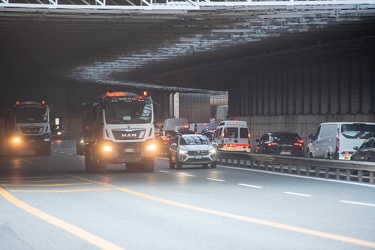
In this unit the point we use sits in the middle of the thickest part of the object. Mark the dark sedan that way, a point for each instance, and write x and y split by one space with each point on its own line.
280 143
366 152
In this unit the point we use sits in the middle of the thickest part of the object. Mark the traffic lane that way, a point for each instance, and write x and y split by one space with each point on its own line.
136 183
294 209
315 203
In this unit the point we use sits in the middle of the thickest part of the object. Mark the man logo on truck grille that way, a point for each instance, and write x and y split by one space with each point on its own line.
129 135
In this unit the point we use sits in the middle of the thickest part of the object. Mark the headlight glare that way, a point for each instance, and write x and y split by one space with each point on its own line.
151 147
107 148
182 151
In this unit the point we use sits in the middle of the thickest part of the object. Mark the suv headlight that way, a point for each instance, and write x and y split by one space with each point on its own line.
212 150
182 151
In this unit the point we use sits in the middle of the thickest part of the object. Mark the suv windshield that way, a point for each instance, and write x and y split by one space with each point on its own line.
357 130
193 140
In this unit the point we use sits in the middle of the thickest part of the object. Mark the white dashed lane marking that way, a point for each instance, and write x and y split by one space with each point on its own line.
213 179
297 194
247 185
358 203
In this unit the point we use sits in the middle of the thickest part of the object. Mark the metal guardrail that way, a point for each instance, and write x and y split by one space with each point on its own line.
356 171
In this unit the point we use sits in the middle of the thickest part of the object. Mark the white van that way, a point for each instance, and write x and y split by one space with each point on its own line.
335 140
232 136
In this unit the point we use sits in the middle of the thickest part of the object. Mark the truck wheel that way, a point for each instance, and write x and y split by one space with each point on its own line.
11 152
100 166
149 165
88 159
46 151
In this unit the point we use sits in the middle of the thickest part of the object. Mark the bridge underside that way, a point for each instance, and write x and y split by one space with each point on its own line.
279 63
185 50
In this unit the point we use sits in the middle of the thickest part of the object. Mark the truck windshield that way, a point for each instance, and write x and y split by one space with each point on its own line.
357 130
120 112
31 114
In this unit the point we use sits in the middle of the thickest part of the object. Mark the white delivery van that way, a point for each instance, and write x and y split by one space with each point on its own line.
335 140
232 136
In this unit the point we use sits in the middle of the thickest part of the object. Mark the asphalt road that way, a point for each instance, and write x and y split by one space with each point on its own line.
52 203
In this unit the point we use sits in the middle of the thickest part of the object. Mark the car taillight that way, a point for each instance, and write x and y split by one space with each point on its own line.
299 143
272 144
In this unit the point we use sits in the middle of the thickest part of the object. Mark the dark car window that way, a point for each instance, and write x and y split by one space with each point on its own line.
285 137
357 130
244 133
369 143
231 133
264 138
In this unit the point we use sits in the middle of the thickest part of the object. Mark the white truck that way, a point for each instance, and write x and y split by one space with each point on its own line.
27 127
118 128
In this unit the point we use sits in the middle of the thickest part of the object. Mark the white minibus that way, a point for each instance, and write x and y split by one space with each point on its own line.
232 136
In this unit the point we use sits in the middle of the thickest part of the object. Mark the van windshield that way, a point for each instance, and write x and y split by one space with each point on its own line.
357 130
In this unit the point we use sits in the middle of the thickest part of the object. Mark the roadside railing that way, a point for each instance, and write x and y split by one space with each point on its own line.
322 168
357 171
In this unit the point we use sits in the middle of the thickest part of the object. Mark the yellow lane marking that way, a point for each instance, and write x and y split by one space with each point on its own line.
254 220
89 237
46 185
28 177
60 191
20 180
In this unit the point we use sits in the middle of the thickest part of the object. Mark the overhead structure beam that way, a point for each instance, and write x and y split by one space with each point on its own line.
131 5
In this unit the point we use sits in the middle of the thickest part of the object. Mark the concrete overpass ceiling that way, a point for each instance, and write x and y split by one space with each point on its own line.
191 50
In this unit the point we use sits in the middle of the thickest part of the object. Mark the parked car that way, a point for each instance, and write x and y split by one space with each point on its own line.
80 145
191 149
280 143
366 152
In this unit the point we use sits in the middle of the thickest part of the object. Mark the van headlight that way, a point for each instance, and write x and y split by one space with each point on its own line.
212 150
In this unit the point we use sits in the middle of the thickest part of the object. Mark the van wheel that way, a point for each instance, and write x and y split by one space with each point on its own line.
329 155
309 154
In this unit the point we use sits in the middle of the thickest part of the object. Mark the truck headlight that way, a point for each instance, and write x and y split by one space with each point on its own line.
151 147
107 148
16 140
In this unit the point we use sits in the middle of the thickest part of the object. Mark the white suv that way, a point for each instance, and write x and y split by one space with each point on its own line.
192 149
